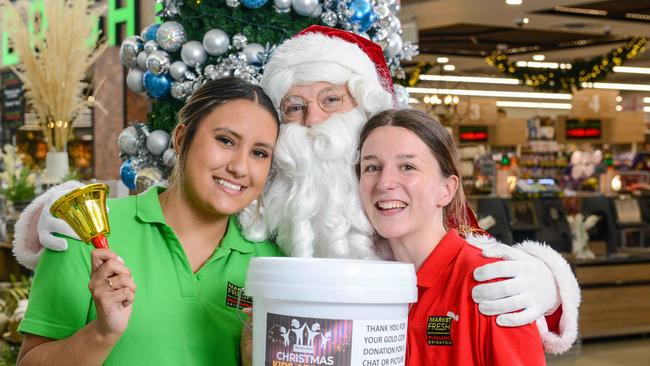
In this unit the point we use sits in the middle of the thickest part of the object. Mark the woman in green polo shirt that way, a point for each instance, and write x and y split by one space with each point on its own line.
181 246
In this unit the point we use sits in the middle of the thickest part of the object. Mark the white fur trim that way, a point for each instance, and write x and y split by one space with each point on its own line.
315 57
27 248
569 295
480 241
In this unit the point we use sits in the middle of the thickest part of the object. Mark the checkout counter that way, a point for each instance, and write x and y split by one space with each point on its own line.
616 285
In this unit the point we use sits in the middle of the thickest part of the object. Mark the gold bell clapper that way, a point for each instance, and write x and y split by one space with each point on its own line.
84 209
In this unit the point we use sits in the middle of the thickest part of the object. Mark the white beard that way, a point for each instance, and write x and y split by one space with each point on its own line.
311 204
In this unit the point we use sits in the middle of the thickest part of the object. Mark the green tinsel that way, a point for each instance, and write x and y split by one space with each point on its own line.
263 25
567 80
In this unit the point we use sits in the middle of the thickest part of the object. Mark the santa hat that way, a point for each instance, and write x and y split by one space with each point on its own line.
323 54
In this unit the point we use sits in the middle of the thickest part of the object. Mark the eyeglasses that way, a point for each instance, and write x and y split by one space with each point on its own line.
294 108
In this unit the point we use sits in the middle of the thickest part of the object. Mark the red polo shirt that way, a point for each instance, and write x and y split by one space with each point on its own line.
445 326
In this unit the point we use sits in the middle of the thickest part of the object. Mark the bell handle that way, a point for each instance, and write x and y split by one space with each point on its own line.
100 242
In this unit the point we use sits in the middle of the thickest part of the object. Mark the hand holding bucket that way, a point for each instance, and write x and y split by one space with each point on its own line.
84 209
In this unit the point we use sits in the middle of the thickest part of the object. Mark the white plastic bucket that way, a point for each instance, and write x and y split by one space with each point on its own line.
333 312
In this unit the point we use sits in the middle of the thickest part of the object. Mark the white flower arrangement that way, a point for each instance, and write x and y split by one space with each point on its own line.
18 181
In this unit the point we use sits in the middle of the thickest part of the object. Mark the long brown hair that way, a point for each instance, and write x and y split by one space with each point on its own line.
442 146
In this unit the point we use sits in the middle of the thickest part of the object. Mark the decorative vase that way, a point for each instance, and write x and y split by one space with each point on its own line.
56 166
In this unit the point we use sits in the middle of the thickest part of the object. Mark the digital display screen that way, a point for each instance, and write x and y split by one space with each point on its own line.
473 133
588 129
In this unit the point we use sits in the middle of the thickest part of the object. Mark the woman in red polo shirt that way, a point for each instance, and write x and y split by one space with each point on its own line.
410 188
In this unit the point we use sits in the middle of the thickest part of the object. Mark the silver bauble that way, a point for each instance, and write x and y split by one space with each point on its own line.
239 41
382 11
304 7
232 3
181 90
394 45
134 80
317 12
193 54
131 46
253 53
128 61
329 18
177 70
395 25
169 157
216 42
150 46
282 6
146 178
129 50
157 142
401 97
142 60
171 36
128 141
158 62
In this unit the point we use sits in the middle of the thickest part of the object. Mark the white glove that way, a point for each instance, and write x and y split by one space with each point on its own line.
527 292
32 228
48 224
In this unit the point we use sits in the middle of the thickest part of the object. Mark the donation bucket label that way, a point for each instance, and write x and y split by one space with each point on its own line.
299 341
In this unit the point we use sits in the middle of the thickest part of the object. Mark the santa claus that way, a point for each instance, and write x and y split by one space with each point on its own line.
326 83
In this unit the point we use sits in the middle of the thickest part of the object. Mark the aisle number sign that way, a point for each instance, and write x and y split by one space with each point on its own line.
478 111
592 103
119 14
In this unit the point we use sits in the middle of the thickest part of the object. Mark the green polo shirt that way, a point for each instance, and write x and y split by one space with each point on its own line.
178 318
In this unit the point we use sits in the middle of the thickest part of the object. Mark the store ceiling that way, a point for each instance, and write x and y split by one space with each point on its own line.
468 30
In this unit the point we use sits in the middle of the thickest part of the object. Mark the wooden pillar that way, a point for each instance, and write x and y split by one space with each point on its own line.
109 121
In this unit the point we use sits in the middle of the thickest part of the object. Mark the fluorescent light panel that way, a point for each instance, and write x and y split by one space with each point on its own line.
646 109
490 93
513 104
470 79
632 70
513 2
617 86
646 100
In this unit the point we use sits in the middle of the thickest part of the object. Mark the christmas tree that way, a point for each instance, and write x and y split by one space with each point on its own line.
200 40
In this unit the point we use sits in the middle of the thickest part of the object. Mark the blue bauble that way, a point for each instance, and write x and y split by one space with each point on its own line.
363 14
128 173
367 22
361 9
157 86
254 4
149 33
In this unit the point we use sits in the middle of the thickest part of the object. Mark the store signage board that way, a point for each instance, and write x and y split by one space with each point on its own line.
470 134
13 111
121 21
477 111
590 129
594 103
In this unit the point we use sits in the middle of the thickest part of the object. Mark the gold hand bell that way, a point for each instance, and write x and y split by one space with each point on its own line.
84 209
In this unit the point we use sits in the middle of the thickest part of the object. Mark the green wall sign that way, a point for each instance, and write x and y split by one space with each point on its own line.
118 14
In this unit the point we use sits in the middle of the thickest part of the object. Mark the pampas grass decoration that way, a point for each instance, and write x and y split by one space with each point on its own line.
53 65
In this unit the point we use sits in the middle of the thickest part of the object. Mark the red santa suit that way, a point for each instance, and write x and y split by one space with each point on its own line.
445 325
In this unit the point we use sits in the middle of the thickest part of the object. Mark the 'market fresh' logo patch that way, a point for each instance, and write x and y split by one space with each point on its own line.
439 330
232 293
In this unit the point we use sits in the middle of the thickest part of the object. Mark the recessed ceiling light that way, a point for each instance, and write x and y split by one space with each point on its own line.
513 2
449 67
442 60
539 57
526 20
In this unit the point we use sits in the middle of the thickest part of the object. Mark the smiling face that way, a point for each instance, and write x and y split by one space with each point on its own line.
229 158
402 187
